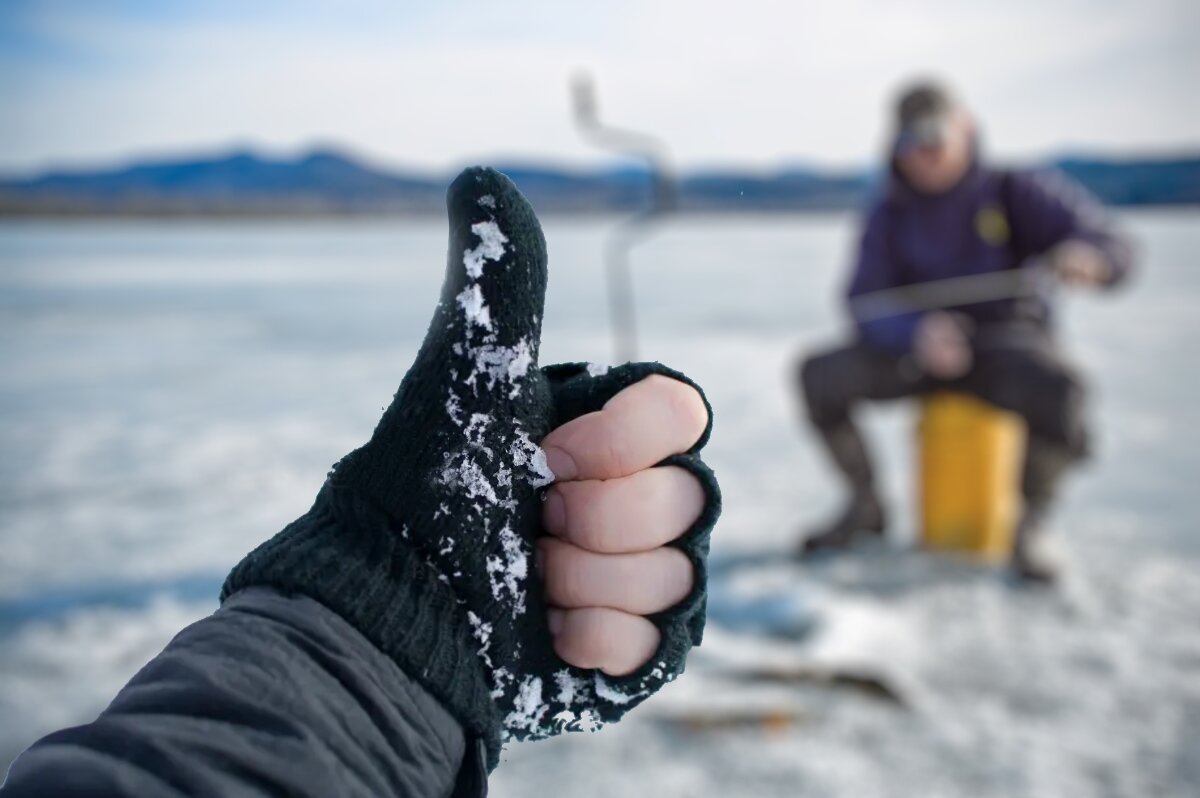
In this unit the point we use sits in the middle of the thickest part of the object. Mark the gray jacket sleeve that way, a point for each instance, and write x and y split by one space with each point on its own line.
270 695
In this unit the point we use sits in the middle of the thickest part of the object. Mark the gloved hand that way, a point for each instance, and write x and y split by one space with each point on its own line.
423 539
1080 263
941 346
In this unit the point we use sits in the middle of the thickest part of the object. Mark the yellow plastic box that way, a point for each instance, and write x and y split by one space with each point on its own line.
971 454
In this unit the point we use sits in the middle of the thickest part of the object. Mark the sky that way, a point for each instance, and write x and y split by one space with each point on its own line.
434 85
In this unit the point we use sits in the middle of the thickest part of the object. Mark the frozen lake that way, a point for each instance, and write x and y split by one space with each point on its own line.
172 394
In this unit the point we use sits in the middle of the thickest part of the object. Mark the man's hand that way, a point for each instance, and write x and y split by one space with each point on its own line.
1080 264
940 346
605 563
428 538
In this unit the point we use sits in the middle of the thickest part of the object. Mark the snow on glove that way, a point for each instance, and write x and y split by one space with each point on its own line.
423 538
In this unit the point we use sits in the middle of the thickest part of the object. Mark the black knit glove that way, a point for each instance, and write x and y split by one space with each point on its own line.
422 539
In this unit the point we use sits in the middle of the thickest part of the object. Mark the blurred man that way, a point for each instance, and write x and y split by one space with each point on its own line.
945 215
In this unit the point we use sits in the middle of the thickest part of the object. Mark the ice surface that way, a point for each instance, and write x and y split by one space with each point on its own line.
144 436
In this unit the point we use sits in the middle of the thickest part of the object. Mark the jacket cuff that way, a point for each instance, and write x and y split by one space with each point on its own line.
345 554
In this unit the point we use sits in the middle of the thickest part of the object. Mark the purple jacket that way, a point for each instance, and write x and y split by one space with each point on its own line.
990 222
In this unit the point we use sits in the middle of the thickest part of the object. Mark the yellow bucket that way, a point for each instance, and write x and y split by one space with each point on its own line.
971 454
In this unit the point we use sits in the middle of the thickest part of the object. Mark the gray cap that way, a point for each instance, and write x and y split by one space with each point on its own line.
922 116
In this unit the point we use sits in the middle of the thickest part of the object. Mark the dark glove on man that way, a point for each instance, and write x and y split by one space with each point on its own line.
423 538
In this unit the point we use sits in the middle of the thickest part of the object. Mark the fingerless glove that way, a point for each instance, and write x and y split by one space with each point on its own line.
423 538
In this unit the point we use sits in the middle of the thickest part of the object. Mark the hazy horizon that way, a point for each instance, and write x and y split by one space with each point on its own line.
380 163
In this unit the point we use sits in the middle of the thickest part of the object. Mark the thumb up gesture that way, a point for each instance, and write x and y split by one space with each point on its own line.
527 543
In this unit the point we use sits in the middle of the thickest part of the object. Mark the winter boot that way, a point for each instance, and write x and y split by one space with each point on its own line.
1031 561
1045 464
864 512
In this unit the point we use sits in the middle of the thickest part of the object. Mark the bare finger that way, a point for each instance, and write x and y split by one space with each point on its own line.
639 512
648 421
641 583
597 637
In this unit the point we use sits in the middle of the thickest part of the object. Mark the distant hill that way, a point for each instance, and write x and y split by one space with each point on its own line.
328 182
322 182
1139 182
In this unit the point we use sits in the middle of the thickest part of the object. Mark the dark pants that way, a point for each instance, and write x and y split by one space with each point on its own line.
1026 375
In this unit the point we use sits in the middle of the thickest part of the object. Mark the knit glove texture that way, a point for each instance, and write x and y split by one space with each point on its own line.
423 538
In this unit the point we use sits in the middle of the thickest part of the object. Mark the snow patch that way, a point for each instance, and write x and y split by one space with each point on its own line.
454 408
504 477
461 472
569 688
487 201
507 572
474 308
501 364
611 694
491 247
596 369
528 454
585 721
501 679
482 632
476 427
528 708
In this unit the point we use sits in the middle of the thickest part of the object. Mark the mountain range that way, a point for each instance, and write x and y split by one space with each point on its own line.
331 182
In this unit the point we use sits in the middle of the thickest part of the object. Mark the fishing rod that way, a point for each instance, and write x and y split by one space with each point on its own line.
642 146
949 292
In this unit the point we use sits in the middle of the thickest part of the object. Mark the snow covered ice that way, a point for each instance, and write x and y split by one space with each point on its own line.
161 418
